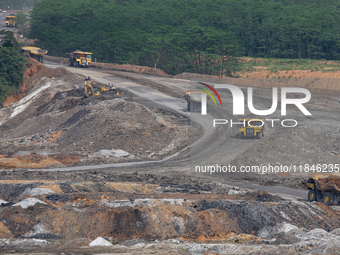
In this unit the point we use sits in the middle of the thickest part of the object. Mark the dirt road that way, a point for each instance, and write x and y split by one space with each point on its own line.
154 191
3 23
314 141
220 145
211 146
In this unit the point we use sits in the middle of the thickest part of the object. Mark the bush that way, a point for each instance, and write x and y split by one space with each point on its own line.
12 67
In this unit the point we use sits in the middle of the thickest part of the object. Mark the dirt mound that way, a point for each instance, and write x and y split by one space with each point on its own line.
56 118
131 129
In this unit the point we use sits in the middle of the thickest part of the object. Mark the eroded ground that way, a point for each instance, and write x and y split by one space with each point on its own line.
56 125
192 217
150 208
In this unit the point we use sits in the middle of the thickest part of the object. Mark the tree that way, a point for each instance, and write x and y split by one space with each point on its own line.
202 36
12 66
23 23
8 40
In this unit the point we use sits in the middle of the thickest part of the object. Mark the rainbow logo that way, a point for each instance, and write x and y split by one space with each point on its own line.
209 93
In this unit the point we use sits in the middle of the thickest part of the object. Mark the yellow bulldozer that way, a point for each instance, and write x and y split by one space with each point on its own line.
110 88
252 128
10 20
34 52
80 58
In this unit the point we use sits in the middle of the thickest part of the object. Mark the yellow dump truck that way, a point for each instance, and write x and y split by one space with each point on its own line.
325 190
80 58
252 128
34 52
194 98
10 20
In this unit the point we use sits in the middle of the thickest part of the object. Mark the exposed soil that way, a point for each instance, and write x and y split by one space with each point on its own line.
138 213
33 67
60 120
145 209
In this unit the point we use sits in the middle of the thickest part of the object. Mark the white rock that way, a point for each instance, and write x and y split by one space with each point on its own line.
267 232
142 202
109 153
3 202
139 245
27 100
40 191
234 192
100 242
334 232
317 234
28 202
28 242
37 229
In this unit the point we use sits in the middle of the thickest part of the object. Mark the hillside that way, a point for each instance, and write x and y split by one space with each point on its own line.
189 36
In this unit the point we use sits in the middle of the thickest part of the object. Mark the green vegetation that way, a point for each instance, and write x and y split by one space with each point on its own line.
202 36
22 22
17 4
274 65
12 66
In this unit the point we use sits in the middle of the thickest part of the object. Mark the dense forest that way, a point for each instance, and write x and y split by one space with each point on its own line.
17 4
12 65
202 36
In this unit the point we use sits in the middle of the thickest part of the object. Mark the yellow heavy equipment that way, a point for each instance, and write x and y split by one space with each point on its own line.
110 87
194 98
252 128
34 52
88 85
80 58
10 20
324 189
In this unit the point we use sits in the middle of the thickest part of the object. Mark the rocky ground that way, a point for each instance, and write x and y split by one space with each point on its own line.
41 129
310 147
189 217
145 209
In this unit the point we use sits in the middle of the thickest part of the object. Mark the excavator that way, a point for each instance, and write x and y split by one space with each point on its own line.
34 52
92 91
80 58
10 20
